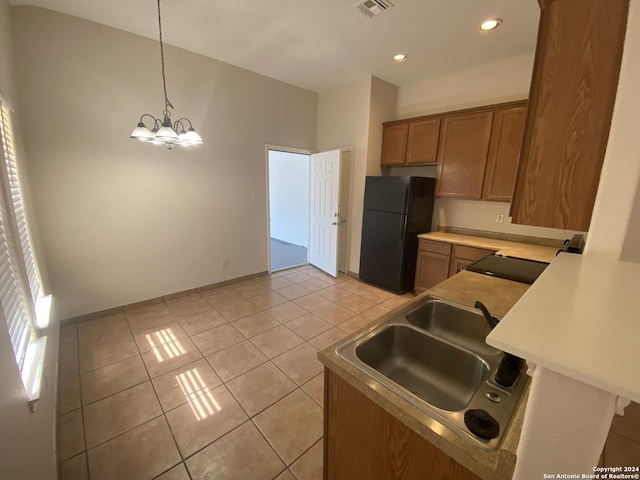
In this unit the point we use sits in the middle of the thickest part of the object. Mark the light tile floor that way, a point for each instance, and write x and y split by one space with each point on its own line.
224 384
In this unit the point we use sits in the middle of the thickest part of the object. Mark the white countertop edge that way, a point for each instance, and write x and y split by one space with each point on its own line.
547 325
596 382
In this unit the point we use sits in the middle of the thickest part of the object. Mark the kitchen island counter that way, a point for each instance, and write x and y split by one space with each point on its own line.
464 288
581 304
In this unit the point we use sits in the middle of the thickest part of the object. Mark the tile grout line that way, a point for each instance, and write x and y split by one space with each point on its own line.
246 338
204 357
271 444
149 379
128 388
112 363
248 420
59 415
306 451
164 414
84 433
224 384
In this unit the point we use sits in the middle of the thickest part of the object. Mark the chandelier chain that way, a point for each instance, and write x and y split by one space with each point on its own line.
163 131
167 103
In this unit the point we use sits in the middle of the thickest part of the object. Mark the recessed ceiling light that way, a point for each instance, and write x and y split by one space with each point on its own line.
401 57
490 24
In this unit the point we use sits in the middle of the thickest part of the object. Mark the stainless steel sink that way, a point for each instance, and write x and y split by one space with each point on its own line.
462 326
433 355
440 374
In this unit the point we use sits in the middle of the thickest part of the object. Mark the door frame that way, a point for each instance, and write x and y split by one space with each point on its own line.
346 187
279 148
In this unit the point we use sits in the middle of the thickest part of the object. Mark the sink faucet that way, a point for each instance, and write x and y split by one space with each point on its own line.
510 365
491 320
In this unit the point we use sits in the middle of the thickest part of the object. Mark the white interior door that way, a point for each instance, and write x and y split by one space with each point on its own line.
325 215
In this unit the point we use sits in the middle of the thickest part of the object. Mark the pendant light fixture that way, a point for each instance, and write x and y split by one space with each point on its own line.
164 132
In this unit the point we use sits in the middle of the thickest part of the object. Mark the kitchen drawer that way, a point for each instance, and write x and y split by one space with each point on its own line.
435 247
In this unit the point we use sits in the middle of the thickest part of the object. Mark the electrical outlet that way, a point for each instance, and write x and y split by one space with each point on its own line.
224 263
500 218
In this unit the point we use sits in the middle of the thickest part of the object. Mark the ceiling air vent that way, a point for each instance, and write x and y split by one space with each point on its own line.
371 8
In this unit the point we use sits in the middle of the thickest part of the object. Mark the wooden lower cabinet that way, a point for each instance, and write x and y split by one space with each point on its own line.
431 269
432 264
463 256
438 261
363 441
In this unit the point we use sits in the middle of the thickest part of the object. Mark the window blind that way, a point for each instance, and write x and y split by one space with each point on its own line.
16 197
19 279
19 322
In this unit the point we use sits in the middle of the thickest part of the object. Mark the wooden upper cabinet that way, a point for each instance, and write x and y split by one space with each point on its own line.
504 151
462 155
480 148
394 144
573 90
410 142
422 143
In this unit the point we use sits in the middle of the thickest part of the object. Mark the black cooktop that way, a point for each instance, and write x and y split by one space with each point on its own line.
511 268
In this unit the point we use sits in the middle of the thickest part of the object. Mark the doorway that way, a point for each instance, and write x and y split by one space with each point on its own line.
307 204
288 180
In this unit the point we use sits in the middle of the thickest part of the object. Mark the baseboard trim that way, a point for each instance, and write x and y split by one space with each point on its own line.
153 301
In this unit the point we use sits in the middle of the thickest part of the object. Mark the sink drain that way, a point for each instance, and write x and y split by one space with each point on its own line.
481 424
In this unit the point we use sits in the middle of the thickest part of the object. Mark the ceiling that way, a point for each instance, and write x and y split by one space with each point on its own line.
320 44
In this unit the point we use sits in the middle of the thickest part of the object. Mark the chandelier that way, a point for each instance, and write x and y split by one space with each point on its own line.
165 132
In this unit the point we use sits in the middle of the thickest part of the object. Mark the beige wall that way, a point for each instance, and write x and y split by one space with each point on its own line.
615 224
480 215
123 221
27 448
352 115
383 106
494 82
343 121
7 79
497 82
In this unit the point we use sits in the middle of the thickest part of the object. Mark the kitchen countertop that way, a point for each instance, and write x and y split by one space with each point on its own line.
503 247
499 295
464 288
580 319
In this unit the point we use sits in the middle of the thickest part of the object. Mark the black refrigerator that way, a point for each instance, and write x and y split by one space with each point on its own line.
396 210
